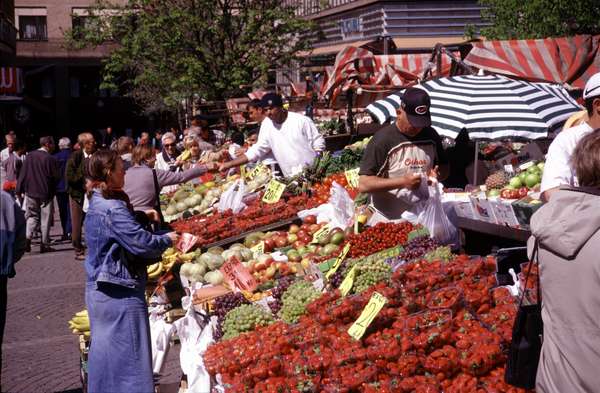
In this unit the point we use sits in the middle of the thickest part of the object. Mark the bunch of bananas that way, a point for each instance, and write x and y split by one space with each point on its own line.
80 323
169 258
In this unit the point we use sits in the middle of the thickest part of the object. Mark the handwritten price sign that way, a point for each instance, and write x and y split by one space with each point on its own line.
338 261
321 234
258 249
346 285
274 191
367 316
352 177
237 276
257 169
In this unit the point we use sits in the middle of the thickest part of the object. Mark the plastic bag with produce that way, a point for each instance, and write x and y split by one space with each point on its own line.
434 218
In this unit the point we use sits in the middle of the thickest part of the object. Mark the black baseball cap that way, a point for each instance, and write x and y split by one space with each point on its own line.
417 104
271 99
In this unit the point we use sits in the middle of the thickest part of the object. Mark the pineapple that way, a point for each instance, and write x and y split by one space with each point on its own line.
496 180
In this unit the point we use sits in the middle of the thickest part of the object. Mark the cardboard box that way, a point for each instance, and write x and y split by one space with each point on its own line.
483 209
524 209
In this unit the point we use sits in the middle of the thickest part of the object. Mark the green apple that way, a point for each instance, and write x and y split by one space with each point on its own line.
541 165
494 193
522 176
532 179
515 182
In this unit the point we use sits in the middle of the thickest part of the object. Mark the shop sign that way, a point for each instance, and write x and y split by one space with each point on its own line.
10 80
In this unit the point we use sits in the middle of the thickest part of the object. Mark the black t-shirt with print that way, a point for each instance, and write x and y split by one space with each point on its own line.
391 153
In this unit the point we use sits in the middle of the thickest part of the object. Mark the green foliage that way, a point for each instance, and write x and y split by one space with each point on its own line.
527 19
167 50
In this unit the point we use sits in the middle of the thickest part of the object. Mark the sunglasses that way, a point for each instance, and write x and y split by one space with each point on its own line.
169 144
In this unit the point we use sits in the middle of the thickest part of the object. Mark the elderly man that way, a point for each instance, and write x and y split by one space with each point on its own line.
166 160
37 181
6 153
76 179
62 197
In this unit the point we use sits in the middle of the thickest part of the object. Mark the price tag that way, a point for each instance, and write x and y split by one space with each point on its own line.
321 234
274 191
352 177
258 249
509 169
346 285
526 165
367 316
243 171
260 167
338 261
237 276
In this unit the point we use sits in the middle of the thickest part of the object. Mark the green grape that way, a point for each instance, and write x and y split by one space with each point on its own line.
295 299
245 318
368 274
439 254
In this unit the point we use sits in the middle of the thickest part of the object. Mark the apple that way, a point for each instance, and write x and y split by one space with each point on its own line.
294 228
281 241
292 237
269 244
270 272
523 192
515 182
298 245
314 228
312 248
541 165
258 266
305 263
310 219
337 238
305 227
532 179
302 233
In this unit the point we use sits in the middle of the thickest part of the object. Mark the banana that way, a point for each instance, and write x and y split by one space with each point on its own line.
153 268
169 251
156 273
187 257
82 313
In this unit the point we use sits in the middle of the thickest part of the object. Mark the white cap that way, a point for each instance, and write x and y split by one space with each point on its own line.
592 87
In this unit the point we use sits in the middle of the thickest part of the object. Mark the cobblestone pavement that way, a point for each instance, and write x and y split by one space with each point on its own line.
39 354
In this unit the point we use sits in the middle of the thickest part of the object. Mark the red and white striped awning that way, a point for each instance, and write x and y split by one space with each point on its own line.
571 60
355 67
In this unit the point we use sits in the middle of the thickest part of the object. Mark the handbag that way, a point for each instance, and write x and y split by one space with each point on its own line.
526 344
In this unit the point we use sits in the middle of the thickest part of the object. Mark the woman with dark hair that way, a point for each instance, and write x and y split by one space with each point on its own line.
567 231
120 358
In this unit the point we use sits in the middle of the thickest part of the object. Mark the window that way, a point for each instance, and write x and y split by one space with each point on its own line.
33 28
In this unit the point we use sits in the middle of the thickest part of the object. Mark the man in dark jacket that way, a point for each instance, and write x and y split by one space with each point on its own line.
75 174
12 247
62 197
37 181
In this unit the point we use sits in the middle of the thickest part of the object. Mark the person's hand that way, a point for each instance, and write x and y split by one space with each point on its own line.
174 236
211 166
434 172
412 181
240 151
224 167
152 215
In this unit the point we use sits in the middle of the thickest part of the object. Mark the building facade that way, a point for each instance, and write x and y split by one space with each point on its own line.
61 92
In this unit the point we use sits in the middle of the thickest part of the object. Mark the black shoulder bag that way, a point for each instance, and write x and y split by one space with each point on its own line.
526 344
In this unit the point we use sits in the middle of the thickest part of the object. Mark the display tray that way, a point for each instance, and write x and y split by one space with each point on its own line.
493 229
276 225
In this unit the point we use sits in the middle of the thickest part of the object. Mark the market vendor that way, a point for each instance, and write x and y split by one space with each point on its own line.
399 154
558 170
292 138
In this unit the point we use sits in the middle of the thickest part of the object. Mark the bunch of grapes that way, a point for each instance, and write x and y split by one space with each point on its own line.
245 318
295 300
418 247
224 304
336 278
443 254
282 285
369 274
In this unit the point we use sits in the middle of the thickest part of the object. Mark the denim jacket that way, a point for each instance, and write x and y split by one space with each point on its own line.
110 229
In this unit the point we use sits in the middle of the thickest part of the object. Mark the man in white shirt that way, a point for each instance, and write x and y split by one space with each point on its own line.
558 170
6 153
292 138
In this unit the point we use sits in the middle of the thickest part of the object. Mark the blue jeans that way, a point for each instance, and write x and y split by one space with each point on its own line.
120 358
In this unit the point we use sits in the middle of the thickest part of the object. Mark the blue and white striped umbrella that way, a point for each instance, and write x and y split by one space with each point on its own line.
489 107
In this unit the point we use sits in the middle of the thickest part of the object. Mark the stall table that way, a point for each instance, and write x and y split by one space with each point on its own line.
480 237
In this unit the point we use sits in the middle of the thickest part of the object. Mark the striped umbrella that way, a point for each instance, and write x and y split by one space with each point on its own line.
489 107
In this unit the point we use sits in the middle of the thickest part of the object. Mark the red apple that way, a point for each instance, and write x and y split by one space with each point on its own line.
310 219
305 227
314 228
302 233
298 244
269 244
281 241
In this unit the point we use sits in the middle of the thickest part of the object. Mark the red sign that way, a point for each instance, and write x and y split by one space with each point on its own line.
237 276
10 80
186 242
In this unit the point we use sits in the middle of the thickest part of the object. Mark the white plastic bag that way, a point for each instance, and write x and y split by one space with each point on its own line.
434 218
160 338
232 198
195 334
338 211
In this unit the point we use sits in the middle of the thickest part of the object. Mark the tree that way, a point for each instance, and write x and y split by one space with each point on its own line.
167 50
525 19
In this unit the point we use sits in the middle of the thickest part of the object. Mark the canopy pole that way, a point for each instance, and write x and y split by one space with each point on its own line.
475 163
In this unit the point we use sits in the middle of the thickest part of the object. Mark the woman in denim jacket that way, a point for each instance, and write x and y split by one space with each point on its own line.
120 358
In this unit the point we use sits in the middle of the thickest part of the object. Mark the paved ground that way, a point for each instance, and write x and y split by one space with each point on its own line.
39 353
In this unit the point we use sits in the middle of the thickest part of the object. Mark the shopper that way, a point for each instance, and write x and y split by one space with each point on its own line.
124 148
12 247
37 181
192 144
12 167
139 179
558 170
76 180
399 155
107 138
567 229
292 138
166 160
144 139
120 358
62 196
5 153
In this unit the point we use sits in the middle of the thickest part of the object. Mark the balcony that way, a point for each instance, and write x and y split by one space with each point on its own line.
8 36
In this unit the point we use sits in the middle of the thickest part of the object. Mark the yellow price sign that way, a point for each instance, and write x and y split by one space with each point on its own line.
346 285
367 316
321 234
258 249
260 167
274 191
243 171
338 261
352 177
